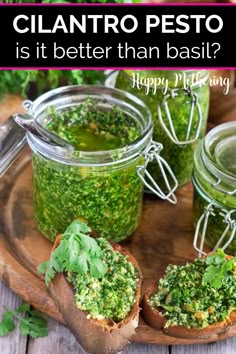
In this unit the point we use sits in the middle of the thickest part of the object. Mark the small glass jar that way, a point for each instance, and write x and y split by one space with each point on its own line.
214 180
179 102
103 187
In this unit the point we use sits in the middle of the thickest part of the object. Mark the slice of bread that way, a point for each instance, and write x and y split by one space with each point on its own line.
96 336
156 319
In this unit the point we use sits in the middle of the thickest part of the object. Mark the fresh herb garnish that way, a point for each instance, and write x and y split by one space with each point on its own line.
33 324
218 266
77 252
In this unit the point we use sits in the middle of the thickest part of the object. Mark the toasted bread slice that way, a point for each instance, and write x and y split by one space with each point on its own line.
96 337
155 318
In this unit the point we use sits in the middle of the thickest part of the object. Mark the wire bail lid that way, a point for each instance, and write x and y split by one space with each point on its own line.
169 128
201 228
152 153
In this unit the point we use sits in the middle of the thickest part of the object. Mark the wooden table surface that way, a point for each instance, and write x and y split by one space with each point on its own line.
61 341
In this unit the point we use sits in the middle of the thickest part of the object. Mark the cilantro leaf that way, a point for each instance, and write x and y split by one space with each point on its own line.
97 268
50 268
7 324
83 263
33 324
77 252
213 277
42 268
89 244
218 266
23 308
77 227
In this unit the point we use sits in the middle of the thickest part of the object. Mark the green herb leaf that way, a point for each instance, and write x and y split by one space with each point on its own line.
42 268
7 324
217 268
77 252
83 263
89 244
23 308
33 324
97 267
77 227
213 276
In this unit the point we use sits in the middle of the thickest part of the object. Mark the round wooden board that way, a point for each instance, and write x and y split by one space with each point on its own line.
164 236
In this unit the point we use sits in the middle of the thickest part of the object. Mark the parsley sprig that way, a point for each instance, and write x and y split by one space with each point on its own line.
77 252
32 324
218 266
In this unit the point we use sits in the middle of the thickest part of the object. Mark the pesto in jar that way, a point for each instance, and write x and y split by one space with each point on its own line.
112 296
109 197
188 302
180 158
89 129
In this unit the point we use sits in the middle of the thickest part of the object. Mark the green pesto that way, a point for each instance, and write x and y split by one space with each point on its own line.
179 158
188 301
109 198
88 128
112 296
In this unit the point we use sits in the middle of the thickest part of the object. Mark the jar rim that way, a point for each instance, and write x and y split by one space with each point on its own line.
210 148
69 95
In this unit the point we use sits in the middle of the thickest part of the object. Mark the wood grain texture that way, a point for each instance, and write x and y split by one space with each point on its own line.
59 340
227 347
14 343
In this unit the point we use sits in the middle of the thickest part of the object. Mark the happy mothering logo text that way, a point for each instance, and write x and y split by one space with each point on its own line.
152 85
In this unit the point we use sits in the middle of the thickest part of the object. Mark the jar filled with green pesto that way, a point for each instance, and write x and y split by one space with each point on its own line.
214 180
178 101
100 176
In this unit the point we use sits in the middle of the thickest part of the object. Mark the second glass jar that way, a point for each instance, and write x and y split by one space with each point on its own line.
179 102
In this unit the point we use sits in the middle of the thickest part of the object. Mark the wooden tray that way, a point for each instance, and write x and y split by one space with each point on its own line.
164 236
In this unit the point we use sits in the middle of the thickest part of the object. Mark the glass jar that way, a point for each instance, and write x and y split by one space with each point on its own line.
179 102
103 187
214 180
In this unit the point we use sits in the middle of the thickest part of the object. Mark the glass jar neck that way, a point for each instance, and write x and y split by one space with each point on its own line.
103 97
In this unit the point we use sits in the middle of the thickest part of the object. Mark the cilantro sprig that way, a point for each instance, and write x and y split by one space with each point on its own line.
32 324
77 252
218 266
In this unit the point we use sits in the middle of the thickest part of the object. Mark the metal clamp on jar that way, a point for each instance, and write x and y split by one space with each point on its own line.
104 187
192 133
178 101
214 180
